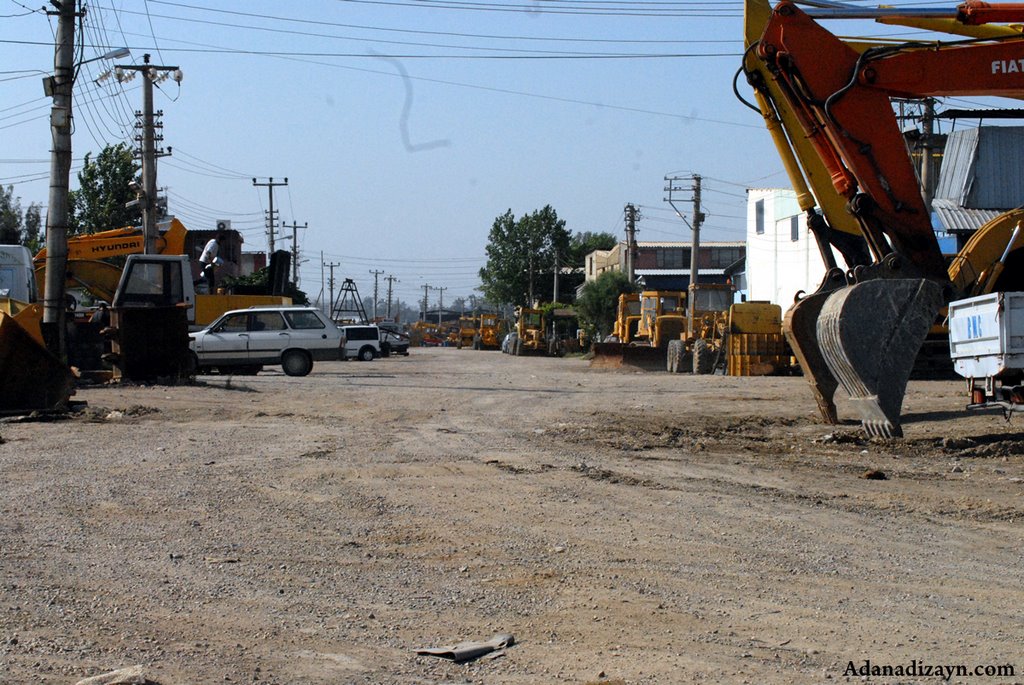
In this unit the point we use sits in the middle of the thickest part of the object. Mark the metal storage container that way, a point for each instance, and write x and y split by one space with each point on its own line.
986 335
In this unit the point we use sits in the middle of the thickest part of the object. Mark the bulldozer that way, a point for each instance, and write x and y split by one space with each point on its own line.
701 331
468 332
827 104
641 339
530 338
490 332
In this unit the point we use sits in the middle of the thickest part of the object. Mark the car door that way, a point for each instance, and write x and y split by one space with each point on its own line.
227 342
268 336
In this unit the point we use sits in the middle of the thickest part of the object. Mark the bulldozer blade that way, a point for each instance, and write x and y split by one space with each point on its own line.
801 328
870 334
611 355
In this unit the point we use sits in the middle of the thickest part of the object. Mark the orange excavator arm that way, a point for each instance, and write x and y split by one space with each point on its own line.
868 332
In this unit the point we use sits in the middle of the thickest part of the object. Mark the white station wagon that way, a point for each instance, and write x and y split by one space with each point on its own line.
245 340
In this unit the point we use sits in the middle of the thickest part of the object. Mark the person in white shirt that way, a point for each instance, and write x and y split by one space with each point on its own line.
210 261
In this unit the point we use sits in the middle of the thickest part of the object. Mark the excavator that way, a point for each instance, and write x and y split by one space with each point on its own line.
826 102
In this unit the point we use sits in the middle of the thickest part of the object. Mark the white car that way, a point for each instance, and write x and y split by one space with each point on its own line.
360 342
244 340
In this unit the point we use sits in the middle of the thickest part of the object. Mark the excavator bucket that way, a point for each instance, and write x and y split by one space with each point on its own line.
30 377
801 328
869 335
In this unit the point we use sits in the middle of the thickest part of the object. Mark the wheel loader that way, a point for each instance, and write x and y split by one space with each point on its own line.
530 338
492 328
641 339
827 103
468 332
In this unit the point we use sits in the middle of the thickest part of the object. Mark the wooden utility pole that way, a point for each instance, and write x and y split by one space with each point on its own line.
60 86
271 218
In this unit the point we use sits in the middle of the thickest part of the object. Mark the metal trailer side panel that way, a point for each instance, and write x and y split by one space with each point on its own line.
986 334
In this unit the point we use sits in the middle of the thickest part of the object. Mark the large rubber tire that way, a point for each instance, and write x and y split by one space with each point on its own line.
703 357
296 363
366 354
674 356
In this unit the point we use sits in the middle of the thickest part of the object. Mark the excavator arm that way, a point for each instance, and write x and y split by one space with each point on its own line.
832 98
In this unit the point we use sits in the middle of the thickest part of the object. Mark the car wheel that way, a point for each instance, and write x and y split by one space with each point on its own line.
366 354
296 363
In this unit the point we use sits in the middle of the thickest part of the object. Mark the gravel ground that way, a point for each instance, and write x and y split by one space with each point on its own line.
625 527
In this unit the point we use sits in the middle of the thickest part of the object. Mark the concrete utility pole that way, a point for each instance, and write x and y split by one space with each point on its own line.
60 86
376 275
426 289
295 249
151 74
391 282
698 219
271 218
440 303
631 247
554 290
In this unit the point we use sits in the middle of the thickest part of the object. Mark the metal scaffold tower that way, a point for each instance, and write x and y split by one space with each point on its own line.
348 307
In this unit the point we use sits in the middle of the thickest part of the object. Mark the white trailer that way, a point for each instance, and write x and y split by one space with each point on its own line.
986 343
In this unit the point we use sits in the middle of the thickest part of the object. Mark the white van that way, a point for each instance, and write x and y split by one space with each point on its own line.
360 342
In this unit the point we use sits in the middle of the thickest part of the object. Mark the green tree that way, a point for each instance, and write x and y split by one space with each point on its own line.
586 242
32 237
521 256
10 217
99 203
597 305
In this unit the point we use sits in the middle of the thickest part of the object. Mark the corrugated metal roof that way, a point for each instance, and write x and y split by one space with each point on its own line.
953 217
983 168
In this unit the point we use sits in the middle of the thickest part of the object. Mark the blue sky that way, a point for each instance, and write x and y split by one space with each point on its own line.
404 127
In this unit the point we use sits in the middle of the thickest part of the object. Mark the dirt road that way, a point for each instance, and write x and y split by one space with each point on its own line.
630 528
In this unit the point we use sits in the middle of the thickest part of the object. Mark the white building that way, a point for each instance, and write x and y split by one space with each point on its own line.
782 255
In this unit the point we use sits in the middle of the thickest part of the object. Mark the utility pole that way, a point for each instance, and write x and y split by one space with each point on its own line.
554 293
295 249
631 246
151 74
271 218
376 274
391 282
440 303
60 86
672 185
927 141
330 284
426 289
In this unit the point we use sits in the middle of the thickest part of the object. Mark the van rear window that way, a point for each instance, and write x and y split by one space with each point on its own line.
361 333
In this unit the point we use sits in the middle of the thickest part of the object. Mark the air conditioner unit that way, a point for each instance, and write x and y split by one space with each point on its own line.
223 224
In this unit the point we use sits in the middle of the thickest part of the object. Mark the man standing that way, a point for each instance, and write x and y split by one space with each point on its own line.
210 261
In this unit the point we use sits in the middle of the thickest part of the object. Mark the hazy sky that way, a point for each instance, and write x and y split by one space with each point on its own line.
404 127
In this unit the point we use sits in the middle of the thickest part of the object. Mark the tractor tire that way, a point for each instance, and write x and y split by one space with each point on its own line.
703 357
674 356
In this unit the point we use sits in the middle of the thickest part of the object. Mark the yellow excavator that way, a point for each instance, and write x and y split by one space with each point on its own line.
827 103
